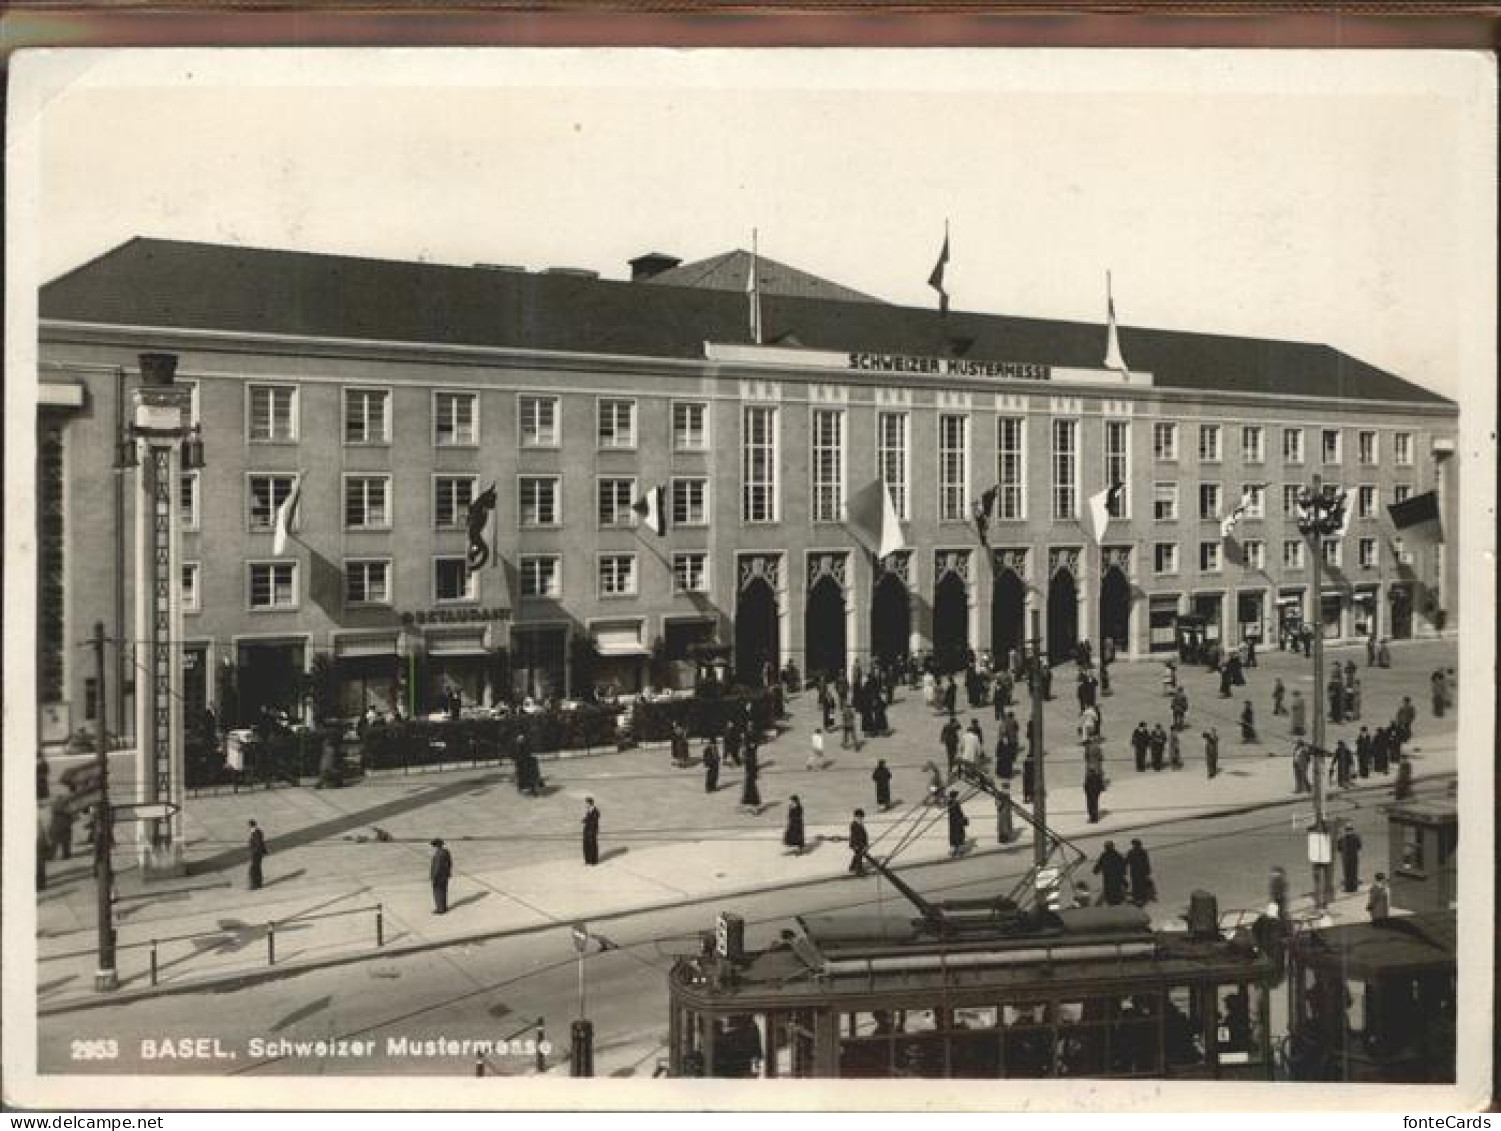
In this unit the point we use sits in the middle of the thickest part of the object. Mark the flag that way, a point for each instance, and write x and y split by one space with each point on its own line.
984 509
1418 517
652 510
480 510
935 280
1098 508
753 293
873 521
1113 357
286 515
1232 520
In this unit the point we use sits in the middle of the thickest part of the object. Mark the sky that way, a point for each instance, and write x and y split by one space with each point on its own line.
1309 196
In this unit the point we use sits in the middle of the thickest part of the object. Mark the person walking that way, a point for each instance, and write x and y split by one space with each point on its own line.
1225 681
1159 746
1370 651
1335 693
1301 758
972 745
1298 715
1094 785
1279 697
732 744
1363 753
1381 746
1111 868
1139 866
1141 738
882 777
816 760
591 832
1174 751
1353 694
1277 893
958 823
750 791
1212 752
950 697
1343 761
949 736
1407 714
711 766
438 872
1378 903
859 842
1180 709
257 848
1248 723
1349 856
1383 655
60 830
792 836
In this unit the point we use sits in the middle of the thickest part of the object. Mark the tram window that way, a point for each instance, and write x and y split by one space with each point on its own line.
975 1017
737 1047
1079 1036
880 1022
1412 849
1134 1047
921 1055
1183 1026
1238 1026
918 1021
1357 1004
1028 1042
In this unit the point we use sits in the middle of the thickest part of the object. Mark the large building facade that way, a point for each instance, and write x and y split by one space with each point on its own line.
390 395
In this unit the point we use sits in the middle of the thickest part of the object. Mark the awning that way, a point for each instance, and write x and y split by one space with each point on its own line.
470 642
612 649
355 647
619 638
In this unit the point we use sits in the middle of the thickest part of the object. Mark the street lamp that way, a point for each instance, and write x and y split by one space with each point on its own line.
1321 514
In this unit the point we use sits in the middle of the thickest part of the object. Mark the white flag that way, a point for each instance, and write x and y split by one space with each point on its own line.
1097 510
1113 357
286 515
652 510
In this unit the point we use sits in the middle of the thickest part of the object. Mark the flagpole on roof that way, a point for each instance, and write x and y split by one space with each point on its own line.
753 290
1113 356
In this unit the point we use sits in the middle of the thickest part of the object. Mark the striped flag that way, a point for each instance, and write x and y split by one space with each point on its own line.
286 516
1232 520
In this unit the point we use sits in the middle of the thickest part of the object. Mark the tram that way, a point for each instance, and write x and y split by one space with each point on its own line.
1374 1002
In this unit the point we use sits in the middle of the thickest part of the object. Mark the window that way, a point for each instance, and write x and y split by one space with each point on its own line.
1367 552
1118 465
617 575
1255 553
538 500
758 464
454 581
1402 448
953 468
690 572
690 426
539 421
1365 501
1209 443
273 585
1331 551
455 419
1292 445
187 594
1010 468
187 500
891 457
452 495
828 465
1252 443
615 499
273 413
1065 468
1329 445
1165 502
1165 441
266 494
1292 553
365 416
367 502
617 424
1254 496
541 575
690 501
1209 500
1290 493
1165 557
367 583
1365 447
1209 557
1401 492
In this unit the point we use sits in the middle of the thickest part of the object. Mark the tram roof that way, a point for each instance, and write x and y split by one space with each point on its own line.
1359 950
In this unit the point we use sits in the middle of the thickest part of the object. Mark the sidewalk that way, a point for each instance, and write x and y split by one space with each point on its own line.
336 854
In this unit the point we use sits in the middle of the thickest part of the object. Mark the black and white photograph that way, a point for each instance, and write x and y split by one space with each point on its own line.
678 578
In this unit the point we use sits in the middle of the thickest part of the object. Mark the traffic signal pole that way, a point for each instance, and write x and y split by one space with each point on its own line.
1320 853
105 977
1040 846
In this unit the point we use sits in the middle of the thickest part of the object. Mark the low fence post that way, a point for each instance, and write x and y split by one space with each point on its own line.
270 944
541 1041
479 1064
380 925
153 962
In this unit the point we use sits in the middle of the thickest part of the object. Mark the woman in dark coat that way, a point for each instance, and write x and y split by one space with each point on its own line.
1247 723
750 796
882 777
958 823
793 836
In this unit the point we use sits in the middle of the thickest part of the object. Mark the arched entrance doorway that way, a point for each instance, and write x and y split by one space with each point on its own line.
1063 616
1008 614
756 637
823 629
890 619
1115 608
950 622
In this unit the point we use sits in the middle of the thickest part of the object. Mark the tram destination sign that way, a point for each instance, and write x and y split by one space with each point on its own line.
948 366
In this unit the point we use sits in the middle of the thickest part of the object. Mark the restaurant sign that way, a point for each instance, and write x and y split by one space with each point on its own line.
453 616
948 366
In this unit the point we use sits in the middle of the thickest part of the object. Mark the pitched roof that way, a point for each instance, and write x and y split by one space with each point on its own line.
730 271
149 282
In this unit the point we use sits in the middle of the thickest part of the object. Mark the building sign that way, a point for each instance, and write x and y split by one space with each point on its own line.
453 616
949 366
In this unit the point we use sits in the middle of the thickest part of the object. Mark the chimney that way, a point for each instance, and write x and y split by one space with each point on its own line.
652 263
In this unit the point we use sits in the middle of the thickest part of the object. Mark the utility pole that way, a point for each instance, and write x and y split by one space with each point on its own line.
1313 524
1040 846
105 977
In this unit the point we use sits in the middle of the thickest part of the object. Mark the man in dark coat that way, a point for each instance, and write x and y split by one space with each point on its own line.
958 822
1212 752
1248 723
1005 755
1159 744
1363 753
1141 738
591 832
1340 768
1094 785
438 871
60 830
1381 750
1335 693
1279 695
1180 709
859 842
882 777
1349 856
1139 864
1029 779
257 848
793 836
1111 868
949 736
1407 714
711 766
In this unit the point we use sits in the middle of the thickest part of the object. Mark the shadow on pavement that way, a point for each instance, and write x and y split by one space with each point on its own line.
467 900
302 1013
